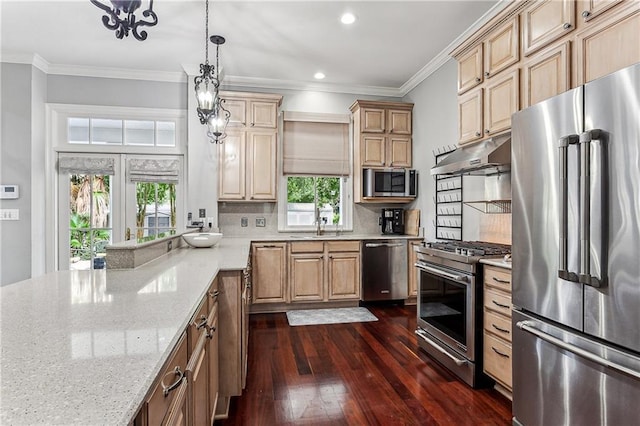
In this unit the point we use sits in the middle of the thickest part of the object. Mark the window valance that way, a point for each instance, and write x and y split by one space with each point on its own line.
160 171
86 165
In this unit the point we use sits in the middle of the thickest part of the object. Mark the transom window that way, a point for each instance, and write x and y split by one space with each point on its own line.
106 131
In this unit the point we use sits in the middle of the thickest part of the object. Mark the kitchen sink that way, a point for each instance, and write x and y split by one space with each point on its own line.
308 237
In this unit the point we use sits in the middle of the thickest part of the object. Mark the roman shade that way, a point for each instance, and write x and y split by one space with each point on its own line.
86 165
316 144
160 171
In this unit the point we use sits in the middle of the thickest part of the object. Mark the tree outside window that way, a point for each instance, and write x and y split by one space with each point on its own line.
305 194
154 202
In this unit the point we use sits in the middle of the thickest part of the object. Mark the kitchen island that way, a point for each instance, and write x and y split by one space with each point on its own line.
84 347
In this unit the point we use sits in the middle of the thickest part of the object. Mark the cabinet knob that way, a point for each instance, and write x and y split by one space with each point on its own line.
478 134
252 124
486 131
586 14
566 26
391 131
486 73
478 79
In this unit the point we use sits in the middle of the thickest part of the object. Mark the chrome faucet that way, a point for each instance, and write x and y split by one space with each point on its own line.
319 228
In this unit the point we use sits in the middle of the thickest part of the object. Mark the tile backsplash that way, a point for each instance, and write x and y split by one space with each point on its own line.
230 217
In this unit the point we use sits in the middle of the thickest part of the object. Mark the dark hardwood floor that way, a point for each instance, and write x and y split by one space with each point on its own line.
354 374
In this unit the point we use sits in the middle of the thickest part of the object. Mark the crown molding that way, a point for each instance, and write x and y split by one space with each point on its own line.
27 59
120 73
444 55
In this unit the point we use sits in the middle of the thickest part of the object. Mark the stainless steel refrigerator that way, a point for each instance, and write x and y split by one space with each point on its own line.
576 256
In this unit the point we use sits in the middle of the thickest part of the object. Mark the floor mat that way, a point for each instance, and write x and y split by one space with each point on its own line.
329 316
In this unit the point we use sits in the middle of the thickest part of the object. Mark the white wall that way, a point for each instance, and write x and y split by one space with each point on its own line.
435 124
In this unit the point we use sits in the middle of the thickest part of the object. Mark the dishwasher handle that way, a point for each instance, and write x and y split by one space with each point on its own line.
373 245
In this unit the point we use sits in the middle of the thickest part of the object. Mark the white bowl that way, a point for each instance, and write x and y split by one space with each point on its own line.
202 239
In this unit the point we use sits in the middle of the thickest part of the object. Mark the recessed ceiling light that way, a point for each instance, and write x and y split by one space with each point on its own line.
348 18
319 75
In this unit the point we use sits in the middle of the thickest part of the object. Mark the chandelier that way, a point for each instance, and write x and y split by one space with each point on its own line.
210 106
121 17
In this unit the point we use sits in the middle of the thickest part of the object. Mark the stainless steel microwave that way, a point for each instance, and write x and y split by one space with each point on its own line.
389 183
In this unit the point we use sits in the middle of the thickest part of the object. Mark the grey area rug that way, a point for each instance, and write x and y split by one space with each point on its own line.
329 316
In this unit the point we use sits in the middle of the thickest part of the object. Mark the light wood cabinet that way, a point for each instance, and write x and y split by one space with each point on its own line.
470 71
269 274
198 378
593 8
546 21
382 139
247 158
497 326
610 44
470 124
546 74
213 348
502 98
413 274
324 271
502 48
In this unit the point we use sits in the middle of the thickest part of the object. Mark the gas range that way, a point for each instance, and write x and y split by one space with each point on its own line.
464 251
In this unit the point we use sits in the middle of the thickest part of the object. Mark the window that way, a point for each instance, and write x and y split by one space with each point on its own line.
316 172
101 131
155 208
314 198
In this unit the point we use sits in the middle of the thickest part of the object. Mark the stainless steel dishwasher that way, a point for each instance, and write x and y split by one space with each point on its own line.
384 270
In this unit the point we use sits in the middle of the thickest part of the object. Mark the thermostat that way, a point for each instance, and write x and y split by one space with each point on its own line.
8 192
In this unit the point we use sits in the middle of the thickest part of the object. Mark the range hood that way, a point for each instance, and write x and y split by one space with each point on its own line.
487 157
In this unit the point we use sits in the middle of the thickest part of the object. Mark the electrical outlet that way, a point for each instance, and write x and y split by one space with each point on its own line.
202 212
169 245
261 222
244 222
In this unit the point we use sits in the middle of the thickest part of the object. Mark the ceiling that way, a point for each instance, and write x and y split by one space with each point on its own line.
269 43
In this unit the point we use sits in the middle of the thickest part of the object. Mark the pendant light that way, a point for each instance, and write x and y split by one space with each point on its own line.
210 106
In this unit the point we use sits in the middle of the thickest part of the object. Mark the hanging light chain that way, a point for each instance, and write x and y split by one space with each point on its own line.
206 31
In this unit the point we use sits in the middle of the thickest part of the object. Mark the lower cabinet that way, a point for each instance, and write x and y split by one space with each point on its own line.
411 268
269 272
497 326
324 271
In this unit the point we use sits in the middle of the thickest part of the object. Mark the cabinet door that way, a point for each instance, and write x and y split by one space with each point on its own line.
609 46
306 277
470 69
263 114
502 48
399 122
497 360
593 8
214 369
399 154
372 120
231 166
261 165
198 378
238 112
372 150
413 274
269 273
501 100
344 275
470 116
546 21
546 74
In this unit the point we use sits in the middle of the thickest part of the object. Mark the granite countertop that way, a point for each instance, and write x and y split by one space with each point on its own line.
497 262
329 236
84 347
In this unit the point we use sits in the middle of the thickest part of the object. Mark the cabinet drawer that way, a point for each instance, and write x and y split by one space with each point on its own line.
196 325
334 246
307 247
498 325
158 404
497 360
497 277
497 302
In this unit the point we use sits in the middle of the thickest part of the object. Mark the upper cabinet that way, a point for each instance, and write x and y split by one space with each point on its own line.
381 139
546 21
534 50
247 168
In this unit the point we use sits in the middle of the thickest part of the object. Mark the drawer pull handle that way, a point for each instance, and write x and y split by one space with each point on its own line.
179 376
498 280
499 353
500 329
500 304
202 323
210 331
214 294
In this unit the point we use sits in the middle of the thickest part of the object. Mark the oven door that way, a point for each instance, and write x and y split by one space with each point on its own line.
446 300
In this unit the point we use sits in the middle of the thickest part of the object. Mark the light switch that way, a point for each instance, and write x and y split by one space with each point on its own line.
9 214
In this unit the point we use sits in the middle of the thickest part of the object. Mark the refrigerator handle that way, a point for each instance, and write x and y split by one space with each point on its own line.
529 326
591 203
563 162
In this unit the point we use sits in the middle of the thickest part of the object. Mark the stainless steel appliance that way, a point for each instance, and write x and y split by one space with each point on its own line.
450 305
392 221
487 157
384 270
389 183
576 268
